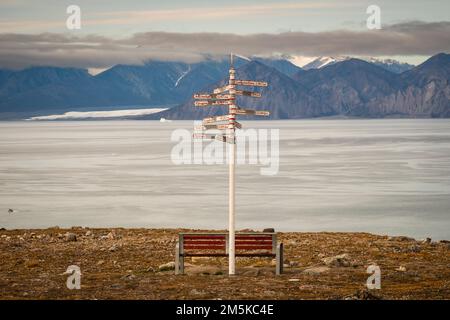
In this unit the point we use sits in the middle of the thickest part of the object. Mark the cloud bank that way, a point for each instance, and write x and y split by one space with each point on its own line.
91 51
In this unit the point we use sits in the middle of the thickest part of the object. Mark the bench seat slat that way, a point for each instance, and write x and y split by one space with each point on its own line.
253 242
246 247
194 254
204 247
262 237
218 242
223 248
238 242
237 236
218 236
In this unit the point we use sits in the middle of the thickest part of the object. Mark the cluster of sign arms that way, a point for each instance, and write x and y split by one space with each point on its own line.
226 96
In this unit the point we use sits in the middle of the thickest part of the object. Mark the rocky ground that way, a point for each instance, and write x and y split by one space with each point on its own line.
135 264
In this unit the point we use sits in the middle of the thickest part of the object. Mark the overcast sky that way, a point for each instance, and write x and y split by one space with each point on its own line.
129 31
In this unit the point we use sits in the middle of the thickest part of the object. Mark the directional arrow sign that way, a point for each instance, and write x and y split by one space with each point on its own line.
248 93
218 137
204 136
225 138
216 119
223 126
213 96
204 103
251 112
250 83
222 89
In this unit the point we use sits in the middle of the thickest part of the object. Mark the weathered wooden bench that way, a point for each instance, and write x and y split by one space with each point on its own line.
261 244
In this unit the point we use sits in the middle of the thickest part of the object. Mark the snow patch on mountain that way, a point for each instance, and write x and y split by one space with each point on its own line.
182 76
321 62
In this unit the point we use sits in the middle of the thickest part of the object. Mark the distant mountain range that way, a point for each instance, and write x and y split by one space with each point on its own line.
350 87
388 64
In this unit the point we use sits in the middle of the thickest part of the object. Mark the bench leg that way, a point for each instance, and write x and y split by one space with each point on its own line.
177 258
279 258
181 264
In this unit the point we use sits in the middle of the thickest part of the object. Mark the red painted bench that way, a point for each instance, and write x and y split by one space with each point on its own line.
261 244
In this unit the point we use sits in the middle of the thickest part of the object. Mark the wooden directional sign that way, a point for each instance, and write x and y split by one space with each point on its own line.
250 83
222 138
213 96
248 93
251 112
222 126
219 137
204 136
216 119
222 89
204 103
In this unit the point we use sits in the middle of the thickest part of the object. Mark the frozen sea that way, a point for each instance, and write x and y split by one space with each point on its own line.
381 176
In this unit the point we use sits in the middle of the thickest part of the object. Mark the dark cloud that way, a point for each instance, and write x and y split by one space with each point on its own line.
410 38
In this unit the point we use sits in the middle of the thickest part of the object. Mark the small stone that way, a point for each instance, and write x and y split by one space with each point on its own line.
414 248
401 269
70 237
167 266
426 241
101 262
196 292
293 264
316 270
31 263
341 260
88 233
363 295
201 260
113 248
150 269
129 277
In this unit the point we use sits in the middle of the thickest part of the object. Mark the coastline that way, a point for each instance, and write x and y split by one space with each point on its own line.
119 263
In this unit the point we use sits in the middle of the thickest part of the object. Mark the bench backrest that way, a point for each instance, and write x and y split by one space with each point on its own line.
260 241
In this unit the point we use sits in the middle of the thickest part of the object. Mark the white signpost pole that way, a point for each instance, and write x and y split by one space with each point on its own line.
232 160
215 99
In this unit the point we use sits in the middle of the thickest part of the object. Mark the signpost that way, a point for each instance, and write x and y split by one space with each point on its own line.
229 126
